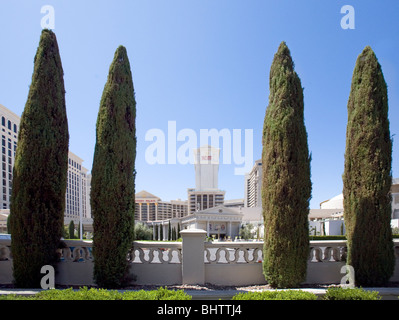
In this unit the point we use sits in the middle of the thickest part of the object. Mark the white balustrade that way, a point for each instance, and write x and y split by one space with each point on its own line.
156 262
155 252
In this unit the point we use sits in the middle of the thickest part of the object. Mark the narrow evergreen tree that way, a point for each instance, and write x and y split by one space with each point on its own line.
40 169
113 175
286 185
156 233
71 230
367 176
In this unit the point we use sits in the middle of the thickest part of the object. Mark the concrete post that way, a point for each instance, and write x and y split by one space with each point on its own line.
193 269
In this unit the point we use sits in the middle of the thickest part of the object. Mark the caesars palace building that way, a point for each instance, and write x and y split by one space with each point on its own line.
205 208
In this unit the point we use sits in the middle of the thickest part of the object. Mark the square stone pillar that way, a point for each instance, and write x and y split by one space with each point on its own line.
193 268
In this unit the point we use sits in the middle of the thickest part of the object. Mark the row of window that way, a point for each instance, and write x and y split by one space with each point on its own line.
10 125
74 164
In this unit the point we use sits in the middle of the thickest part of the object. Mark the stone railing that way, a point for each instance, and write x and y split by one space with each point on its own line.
155 252
76 251
233 252
191 261
327 251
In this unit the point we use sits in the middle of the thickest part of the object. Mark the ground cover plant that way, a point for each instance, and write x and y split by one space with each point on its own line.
276 295
102 294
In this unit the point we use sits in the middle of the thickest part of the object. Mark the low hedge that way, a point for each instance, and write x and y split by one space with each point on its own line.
276 295
336 293
340 237
340 293
102 294
327 237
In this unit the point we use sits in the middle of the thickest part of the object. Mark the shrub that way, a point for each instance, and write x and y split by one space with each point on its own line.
142 231
276 295
350 294
327 238
102 294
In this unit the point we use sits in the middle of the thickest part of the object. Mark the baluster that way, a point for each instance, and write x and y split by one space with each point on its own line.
317 254
77 255
258 255
337 254
218 252
67 254
327 254
237 255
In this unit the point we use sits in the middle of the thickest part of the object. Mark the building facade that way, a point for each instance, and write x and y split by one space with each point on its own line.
206 165
149 208
78 181
253 186
9 138
77 196
218 222
203 199
206 193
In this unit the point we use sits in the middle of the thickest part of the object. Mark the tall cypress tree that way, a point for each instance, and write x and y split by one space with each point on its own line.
71 230
40 169
113 175
286 185
367 176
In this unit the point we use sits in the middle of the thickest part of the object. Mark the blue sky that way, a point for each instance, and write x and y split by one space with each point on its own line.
205 64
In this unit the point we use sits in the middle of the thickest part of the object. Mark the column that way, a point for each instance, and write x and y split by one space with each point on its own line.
193 268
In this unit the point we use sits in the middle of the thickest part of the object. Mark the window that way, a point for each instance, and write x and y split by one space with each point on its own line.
15 128
9 124
3 121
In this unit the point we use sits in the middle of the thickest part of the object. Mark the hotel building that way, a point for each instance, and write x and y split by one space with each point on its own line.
206 193
78 181
149 207
253 186
77 197
9 138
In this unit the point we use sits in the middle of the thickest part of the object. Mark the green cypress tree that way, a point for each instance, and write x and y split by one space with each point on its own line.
156 233
286 185
40 169
367 176
113 175
71 230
